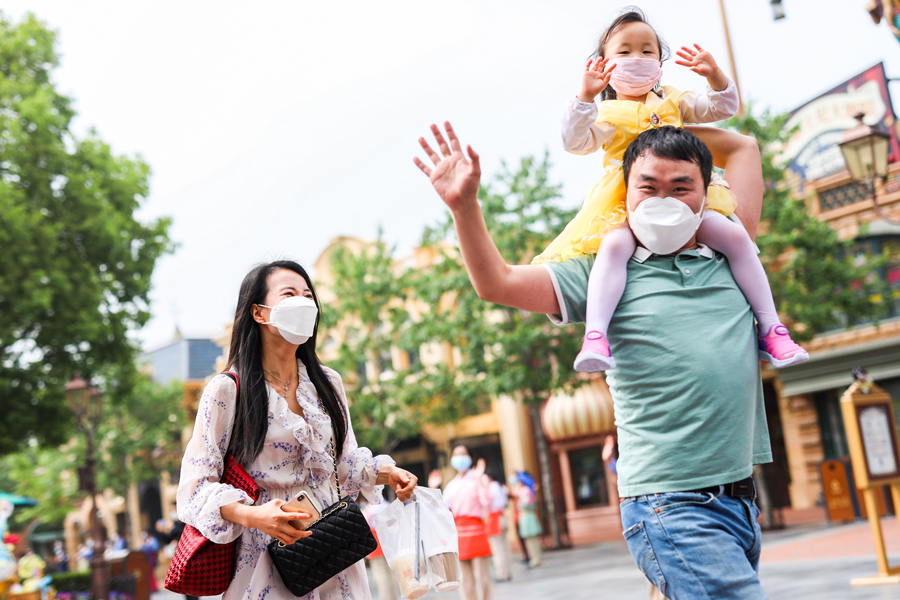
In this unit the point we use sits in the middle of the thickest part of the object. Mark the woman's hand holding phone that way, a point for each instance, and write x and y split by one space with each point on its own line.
272 520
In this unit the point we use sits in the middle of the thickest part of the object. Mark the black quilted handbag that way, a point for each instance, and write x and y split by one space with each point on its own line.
340 538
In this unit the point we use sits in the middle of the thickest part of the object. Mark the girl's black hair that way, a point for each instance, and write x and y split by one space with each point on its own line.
630 14
245 358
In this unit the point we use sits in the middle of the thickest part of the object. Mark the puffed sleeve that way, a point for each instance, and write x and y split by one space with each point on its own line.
358 469
581 132
711 106
200 495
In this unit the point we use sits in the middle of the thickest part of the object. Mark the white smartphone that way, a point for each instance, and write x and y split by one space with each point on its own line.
302 503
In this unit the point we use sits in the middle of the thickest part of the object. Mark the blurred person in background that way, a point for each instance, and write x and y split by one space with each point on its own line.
150 547
385 580
525 492
62 559
497 529
85 554
469 499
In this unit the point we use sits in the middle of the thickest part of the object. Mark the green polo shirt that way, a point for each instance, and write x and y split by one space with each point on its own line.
686 388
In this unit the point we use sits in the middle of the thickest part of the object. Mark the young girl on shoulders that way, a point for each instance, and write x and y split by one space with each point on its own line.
624 73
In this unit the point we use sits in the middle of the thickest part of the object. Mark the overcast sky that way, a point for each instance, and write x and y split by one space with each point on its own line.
272 127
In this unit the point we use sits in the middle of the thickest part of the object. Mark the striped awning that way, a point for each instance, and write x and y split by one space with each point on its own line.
588 411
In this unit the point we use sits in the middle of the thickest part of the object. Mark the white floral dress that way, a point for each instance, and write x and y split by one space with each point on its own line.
295 457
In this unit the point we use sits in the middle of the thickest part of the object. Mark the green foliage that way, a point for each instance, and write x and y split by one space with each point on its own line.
817 281
508 351
485 350
139 436
73 582
48 475
76 266
371 296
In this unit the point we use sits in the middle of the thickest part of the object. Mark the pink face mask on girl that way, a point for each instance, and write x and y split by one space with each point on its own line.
635 76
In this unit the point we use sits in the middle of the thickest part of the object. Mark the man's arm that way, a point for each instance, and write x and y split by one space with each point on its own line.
739 156
455 178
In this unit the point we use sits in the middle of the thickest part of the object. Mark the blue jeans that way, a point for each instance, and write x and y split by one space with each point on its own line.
695 546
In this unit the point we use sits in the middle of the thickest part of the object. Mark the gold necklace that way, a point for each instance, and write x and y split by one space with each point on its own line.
286 385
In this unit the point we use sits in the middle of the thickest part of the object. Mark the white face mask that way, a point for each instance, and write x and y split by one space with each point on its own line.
294 317
664 225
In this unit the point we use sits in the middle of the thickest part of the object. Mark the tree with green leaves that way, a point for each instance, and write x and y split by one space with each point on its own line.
374 312
499 350
77 263
817 282
507 351
138 438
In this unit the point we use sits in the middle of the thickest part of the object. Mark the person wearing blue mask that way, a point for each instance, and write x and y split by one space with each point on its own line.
468 496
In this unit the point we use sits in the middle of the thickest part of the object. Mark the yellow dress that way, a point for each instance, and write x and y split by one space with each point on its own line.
604 206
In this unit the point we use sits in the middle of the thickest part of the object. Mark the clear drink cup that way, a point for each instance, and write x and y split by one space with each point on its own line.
404 566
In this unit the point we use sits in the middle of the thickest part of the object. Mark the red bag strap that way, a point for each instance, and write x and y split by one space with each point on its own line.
233 376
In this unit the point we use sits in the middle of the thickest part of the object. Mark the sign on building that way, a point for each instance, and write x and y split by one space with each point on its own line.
812 151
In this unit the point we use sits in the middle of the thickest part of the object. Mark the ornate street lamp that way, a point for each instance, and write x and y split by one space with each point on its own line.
865 151
86 403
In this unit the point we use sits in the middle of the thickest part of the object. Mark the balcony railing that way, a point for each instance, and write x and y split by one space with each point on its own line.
842 195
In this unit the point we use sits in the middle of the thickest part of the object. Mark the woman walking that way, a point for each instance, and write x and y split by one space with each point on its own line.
529 527
469 499
281 424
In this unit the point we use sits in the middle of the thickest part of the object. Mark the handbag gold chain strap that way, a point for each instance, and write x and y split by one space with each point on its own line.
339 505
337 482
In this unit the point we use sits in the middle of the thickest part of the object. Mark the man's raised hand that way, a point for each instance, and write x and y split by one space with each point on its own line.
455 177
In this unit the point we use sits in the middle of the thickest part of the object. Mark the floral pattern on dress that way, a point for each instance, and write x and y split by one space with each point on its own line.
296 456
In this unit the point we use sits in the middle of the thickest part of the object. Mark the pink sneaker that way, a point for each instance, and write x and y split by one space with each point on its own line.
594 355
778 348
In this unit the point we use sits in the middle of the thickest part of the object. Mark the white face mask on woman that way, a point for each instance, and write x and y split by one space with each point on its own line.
664 225
294 317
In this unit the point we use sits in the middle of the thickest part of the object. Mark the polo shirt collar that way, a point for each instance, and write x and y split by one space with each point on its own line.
641 254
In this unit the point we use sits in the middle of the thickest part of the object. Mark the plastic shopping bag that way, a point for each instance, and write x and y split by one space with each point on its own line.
420 543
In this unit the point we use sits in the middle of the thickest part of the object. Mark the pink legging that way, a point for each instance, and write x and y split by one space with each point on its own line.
610 271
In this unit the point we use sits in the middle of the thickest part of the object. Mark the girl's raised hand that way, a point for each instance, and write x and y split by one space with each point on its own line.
595 79
702 63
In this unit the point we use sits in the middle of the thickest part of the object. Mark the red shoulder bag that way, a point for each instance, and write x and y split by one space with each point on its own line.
201 567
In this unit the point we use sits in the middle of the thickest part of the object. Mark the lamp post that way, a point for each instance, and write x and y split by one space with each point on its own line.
865 149
86 404
777 10
731 56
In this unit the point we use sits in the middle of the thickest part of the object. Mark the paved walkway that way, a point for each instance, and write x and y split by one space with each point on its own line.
813 561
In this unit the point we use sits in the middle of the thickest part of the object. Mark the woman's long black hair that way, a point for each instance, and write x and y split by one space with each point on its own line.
245 358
